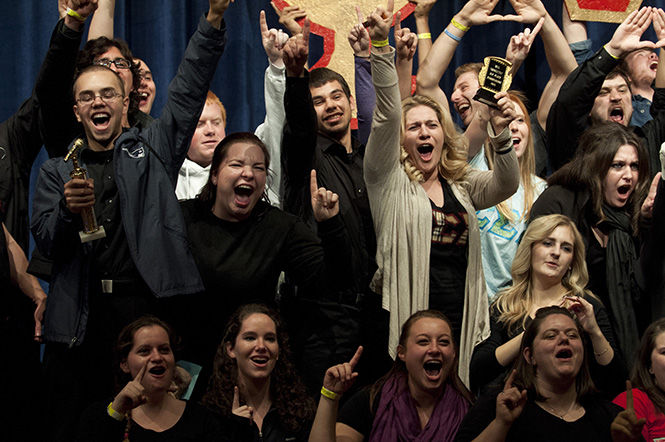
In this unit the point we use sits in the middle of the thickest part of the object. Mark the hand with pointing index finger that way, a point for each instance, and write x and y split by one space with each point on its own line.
380 21
626 427
296 51
241 410
341 377
325 204
406 41
133 394
510 401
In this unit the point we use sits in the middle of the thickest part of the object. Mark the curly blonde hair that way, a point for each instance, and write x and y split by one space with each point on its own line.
453 165
515 302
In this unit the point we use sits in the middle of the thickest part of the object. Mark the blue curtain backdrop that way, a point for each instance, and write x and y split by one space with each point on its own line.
158 31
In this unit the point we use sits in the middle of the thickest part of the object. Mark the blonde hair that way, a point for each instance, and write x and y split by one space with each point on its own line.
453 165
515 302
527 163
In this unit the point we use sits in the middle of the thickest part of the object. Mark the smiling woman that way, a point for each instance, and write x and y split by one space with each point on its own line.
144 409
254 387
602 190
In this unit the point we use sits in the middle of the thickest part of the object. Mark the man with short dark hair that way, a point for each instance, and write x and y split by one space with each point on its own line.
598 91
98 287
318 136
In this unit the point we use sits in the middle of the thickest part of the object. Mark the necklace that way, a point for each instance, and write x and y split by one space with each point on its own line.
556 412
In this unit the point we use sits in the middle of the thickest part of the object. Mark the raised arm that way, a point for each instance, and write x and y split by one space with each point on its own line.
473 13
102 21
421 14
365 96
576 36
405 47
274 85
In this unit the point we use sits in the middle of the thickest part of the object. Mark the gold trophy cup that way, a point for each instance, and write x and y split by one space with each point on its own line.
494 77
91 230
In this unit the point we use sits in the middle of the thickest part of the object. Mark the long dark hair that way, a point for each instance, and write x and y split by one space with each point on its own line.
597 147
209 191
525 378
399 367
641 377
287 393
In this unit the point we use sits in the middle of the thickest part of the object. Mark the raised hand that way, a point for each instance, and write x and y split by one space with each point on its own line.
339 378
520 44
627 36
273 40
296 51
510 401
325 204
289 16
241 410
359 37
406 41
422 8
133 394
79 194
380 22
584 312
502 116
647 206
529 11
478 12
626 427
216 11
658 21
84 9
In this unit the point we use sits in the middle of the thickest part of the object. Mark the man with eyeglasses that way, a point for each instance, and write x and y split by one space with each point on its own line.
98 287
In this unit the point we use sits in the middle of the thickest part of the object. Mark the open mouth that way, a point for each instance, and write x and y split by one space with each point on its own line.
516 142
654 66
564 353
143 97
616 115
462 110
624 190
243 193
259 360
433 368
334 118
157 370
100 119
425 151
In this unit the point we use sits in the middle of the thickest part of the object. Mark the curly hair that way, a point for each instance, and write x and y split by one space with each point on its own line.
287 393
515 302
453 165
587 170
641 376
399 367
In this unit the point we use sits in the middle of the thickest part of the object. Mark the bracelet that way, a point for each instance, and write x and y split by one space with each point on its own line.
608 53
380 43
453 36
114 414
424 36
602 352
75 14
459 25
329 394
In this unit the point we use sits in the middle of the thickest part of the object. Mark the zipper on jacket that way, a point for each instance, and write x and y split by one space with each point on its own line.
73 342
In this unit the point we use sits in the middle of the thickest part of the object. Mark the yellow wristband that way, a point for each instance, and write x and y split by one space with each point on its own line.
329 394
114 414
380 43
75 14
458 25
608 52
424 36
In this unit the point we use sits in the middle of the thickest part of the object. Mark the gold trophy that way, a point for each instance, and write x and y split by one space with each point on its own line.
494 77
91 230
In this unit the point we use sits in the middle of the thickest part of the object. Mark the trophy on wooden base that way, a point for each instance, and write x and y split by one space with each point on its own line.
91 230
494 77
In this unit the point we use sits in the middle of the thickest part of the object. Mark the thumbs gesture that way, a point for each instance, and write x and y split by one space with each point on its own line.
510 402
133 394
325 204
339 378
626 427
241 410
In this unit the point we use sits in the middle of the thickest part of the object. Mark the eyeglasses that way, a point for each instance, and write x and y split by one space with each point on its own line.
106 95
120 63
